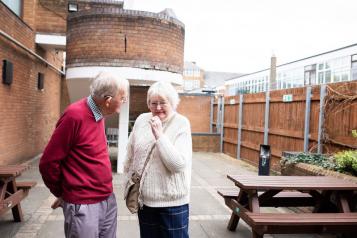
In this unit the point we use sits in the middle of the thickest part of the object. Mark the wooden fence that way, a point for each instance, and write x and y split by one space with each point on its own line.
288 120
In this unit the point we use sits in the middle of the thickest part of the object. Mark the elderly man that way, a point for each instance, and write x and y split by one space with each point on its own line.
75 165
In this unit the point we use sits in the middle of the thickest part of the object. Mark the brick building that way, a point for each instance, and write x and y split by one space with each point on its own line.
97 35
143 47
32 88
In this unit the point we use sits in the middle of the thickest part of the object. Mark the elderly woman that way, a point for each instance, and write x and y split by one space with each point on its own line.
164 137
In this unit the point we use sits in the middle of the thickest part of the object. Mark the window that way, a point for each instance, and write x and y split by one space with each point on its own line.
337 78
7 72
324 72
191 84
196 84
354 58
354 67
344 77
188 85
40 81
14 5
321 77
328 76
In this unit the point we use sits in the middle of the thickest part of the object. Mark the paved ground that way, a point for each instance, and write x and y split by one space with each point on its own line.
208 214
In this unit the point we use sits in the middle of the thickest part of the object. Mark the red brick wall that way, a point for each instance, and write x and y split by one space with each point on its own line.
97 37
138 103
137 106
51 16
29 12
15 27
206 143
197 110
28 115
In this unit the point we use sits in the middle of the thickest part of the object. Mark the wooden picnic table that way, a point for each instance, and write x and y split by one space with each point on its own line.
332 199
12 192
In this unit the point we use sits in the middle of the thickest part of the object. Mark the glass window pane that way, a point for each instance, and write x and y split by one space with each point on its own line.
354 57
14 5
336 78
344 77
354 73
321 77
328 76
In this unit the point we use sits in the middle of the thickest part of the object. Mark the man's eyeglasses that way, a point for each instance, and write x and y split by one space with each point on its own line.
123 99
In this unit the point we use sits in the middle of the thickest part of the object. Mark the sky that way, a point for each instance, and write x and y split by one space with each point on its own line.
241 35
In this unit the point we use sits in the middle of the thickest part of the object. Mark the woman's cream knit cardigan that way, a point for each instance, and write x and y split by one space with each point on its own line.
167 176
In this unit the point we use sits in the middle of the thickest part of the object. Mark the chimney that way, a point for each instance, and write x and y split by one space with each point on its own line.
272 83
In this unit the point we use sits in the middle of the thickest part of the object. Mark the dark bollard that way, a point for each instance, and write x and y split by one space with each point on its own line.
264 160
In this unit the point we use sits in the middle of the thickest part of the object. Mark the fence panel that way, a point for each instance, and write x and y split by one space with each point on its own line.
287 121
252 126
230 133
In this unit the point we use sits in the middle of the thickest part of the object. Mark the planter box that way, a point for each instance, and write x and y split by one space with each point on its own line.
302 169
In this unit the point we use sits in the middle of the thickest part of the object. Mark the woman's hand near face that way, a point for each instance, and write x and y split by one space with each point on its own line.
156 126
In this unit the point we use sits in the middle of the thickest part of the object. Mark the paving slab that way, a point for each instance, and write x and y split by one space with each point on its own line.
208 214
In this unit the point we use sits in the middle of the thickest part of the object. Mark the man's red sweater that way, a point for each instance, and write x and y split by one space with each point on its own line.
75 164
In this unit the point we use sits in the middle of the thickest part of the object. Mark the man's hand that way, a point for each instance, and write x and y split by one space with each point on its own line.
57 203
156 126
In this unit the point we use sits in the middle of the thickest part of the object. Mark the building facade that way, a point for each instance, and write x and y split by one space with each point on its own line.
32 88
193 77
143 47
329 67
91 36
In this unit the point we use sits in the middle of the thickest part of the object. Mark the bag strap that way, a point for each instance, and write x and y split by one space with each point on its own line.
153 146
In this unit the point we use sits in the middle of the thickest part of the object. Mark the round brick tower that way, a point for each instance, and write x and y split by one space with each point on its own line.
143 47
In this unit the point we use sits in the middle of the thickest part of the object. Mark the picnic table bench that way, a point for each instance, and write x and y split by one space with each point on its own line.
11 191
332 200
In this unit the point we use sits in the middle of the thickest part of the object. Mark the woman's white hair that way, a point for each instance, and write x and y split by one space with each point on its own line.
107 84
164 89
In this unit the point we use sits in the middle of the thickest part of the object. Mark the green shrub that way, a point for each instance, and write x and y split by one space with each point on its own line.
344 161
325 161
347 161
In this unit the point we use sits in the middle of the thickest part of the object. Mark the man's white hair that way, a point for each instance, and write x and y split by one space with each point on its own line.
107 84
164 89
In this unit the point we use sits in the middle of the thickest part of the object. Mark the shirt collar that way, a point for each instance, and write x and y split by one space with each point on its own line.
94 108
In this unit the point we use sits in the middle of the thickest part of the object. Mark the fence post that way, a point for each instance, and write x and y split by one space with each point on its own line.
307 118
222 123
321 117
218 116
240 118
266 117
211 116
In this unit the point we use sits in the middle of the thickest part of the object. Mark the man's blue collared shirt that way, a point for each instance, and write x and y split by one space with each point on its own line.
96 112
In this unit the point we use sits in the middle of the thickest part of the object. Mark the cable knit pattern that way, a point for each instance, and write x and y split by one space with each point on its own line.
167 176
